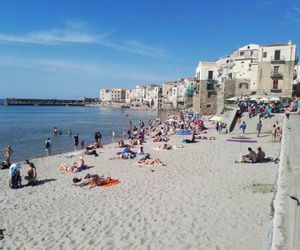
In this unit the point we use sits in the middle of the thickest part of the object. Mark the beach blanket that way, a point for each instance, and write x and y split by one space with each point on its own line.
183 132
112 182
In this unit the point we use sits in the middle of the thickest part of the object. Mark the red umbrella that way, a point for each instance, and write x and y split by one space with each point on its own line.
198 121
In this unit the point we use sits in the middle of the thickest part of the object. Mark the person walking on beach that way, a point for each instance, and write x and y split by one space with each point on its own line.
258 128
69 132
243 127
113 136
76 141
48 146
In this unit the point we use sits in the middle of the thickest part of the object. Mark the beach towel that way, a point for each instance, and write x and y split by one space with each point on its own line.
112 182
183 132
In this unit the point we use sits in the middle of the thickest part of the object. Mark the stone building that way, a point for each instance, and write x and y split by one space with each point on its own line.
113 95
276 67
205 95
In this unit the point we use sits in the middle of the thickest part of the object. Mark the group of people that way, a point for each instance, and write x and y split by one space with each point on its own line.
15 174
253 157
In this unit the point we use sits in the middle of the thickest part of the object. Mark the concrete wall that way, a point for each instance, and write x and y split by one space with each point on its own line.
286 223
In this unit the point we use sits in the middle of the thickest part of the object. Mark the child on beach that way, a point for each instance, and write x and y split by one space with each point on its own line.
243 127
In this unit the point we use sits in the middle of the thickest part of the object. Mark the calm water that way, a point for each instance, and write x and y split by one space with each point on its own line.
26 128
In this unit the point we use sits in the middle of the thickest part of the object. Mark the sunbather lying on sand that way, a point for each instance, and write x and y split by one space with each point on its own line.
164 146
76 167
92 180
123 156
206 138
150 162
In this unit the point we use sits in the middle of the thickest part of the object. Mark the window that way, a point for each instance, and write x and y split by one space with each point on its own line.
265 54
251 53
210 86
242 53
227 61
208 105
248 47
210 75
277 55
276 68
275 84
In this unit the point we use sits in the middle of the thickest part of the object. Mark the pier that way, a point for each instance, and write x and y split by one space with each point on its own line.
43 102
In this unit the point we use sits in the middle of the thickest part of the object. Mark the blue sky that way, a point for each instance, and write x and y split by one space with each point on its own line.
71 49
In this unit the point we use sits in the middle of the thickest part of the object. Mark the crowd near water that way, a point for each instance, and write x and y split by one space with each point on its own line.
27 128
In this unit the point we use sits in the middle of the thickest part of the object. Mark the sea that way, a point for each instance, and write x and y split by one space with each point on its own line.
26 128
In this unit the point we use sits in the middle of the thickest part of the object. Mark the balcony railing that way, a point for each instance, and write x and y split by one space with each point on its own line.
276 75
276 90
211 81
281 59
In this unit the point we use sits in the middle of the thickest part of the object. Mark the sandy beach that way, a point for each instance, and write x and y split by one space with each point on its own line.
202 199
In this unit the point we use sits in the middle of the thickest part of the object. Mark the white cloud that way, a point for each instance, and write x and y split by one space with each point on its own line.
115 72
75 33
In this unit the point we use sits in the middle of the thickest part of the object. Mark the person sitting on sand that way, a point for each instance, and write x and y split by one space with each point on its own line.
141 151
76 167
192 140
89 151
121 144
92 180
133 142
249 158
260 155
31 174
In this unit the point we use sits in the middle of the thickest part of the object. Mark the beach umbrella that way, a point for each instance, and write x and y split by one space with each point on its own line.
256 97
265 99
274 99
216 118
171 120
232 99
241 139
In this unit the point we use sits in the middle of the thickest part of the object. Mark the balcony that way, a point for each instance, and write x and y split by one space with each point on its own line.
276 75
276 90
212 81
276 60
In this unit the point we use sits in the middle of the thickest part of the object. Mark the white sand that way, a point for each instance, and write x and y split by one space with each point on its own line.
201 200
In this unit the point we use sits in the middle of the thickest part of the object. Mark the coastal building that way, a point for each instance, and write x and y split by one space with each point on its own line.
276 67
167 101
252 69
245 69
205 95
296 75
153 97
113 95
